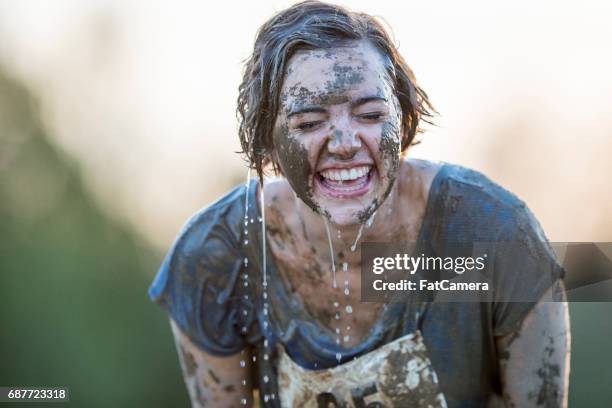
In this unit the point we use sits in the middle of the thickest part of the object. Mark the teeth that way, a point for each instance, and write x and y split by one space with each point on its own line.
346 175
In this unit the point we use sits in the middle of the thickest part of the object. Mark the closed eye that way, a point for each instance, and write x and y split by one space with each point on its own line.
308 125
371 116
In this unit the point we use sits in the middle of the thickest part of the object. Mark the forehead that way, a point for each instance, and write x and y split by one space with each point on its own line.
322 73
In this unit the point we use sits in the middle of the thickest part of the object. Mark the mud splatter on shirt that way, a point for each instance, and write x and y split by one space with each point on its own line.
398 374
200 284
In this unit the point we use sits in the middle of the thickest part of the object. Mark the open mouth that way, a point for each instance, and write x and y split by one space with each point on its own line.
346 183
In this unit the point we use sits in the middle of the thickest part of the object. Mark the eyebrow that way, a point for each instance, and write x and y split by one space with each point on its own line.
305 109
363 101
300 109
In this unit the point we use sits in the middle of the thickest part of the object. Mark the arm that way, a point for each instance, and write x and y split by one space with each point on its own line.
534 360
213 381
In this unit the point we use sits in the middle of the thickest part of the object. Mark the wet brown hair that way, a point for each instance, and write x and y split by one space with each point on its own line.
314 25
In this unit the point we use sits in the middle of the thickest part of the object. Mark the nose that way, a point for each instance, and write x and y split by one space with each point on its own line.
343 141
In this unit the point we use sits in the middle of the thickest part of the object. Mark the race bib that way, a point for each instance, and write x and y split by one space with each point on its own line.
398 374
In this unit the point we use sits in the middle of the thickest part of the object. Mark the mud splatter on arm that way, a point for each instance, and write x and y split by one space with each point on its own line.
534 360
214 381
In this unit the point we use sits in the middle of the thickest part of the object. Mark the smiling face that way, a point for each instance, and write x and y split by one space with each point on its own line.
337 133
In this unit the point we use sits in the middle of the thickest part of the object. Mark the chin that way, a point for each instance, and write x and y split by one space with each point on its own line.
344 213
353 205
342 218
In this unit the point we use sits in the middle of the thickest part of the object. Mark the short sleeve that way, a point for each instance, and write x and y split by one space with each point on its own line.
525 267
197 282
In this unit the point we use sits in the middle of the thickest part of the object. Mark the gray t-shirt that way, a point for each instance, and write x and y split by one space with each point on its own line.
211 285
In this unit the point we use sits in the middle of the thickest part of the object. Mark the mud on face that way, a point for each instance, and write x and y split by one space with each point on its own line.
320 90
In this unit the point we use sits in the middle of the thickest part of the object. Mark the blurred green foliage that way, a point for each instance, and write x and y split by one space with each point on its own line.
74 309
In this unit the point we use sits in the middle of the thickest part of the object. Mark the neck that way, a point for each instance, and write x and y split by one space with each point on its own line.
347 238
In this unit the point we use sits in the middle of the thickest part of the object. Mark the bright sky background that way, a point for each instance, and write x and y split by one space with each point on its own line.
143 95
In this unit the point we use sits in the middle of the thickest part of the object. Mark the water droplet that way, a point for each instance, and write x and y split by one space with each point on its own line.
266 397
242 363
347 338
246 283
265 283
349 309
338 340
246 232
354 246
346 291
254 358
259 219
246 297
348 328
266 378
246 261
336 304
265 324
244 382
337 330
346 283
243 401
338 356
265 312
331 253
244 329
252 220
371 220
266 356
272 396
244 312
345 266
337 316
266 343
246 242
265 295
316 365
245 276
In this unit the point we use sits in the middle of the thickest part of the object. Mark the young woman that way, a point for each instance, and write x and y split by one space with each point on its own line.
263 287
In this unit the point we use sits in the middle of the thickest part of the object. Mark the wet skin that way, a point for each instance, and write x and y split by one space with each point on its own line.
534 359
299 246
213 381
338 111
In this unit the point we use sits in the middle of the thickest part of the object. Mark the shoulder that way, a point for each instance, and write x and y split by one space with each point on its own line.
220 222
207 247
197 281
206 250
475 207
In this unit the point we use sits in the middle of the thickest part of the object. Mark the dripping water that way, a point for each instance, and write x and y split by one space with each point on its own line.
262 220
354 246
348 308
245 261
368 223
331 252
263 233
